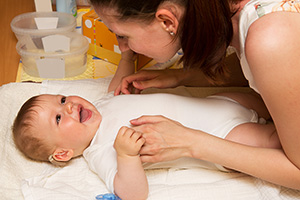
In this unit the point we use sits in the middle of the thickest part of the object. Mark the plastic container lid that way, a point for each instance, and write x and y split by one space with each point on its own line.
24 24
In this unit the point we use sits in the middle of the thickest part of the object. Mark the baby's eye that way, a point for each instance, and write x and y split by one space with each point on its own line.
58 118
63 100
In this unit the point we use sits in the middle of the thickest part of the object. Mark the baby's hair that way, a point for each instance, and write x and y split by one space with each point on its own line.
26 136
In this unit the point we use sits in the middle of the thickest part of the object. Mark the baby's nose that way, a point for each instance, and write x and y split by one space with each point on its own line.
69 107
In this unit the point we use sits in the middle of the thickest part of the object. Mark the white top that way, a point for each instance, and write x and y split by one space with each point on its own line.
215 115
252 11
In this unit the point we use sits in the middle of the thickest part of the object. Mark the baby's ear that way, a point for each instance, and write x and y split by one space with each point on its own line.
63 154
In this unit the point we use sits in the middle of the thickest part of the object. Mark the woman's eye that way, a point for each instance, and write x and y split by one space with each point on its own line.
120 37
58 118
63 100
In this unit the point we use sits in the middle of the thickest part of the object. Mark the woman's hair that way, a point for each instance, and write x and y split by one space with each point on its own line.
205 30
26 136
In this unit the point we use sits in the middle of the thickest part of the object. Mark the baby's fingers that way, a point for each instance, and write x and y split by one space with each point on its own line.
135 136
141 141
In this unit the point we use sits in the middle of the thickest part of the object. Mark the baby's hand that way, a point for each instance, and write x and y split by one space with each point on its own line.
128 142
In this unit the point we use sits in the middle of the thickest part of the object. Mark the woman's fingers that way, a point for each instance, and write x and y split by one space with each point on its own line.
148 79
147 119
117 91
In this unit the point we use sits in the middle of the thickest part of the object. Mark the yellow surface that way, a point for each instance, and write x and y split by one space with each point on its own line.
96 68
104 69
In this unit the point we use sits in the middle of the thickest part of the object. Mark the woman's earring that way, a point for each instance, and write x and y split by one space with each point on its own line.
170 32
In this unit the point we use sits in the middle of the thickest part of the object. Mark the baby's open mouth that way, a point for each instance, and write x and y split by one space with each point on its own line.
84 114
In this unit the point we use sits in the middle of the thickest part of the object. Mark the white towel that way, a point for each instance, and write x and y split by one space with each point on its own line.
76 181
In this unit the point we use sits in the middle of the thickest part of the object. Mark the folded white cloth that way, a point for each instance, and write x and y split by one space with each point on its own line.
13 165
90 89
76 181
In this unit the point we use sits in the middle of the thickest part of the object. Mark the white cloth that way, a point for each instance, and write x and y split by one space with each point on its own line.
252 11
42 181
215 115
89 89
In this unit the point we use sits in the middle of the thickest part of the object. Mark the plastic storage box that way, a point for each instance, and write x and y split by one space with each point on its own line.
59 63
25 25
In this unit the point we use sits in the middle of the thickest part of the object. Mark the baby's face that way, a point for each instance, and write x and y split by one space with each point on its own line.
69 122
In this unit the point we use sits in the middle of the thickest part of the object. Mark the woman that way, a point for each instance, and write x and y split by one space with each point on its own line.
267 42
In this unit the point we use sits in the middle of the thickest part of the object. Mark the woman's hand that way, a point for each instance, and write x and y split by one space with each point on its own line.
144 79
165 139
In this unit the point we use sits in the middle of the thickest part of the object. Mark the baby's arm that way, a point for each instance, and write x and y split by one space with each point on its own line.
125 68
130 181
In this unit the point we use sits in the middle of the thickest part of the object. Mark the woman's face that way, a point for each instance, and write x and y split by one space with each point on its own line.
151 40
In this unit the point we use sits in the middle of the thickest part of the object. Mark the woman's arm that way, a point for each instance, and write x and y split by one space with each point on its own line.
130 181
272 52
171 78
125 68
169 140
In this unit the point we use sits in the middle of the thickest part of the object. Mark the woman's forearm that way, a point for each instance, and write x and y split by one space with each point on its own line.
125 68
268 164
169 140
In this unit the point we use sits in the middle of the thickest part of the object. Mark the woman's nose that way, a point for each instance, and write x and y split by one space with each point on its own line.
123 44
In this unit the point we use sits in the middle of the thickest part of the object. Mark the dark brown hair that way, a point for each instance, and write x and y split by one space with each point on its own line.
205 30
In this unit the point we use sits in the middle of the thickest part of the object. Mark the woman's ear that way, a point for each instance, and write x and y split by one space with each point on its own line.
63 154
168 20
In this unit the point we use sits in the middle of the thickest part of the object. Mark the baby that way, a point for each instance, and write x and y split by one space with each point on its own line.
57 128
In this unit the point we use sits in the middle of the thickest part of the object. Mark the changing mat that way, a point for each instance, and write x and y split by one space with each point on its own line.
21 177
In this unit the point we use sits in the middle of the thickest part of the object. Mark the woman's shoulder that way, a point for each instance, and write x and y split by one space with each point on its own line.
273 42
269 20
265 14
274 30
